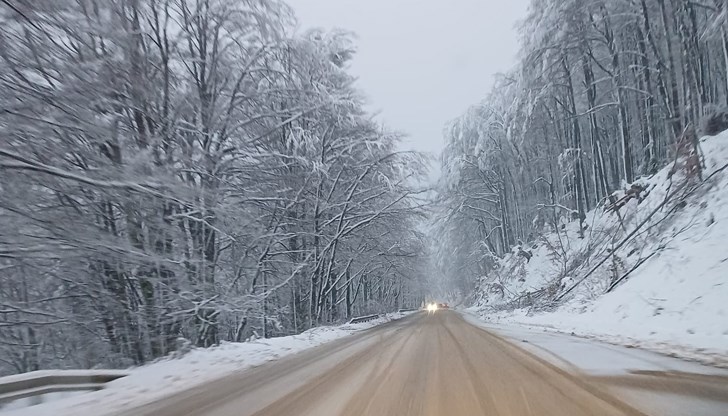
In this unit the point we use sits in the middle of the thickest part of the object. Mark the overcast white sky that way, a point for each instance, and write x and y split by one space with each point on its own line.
422 62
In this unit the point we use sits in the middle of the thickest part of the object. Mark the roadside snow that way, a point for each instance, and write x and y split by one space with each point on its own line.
154 381
589 356
668 341
673 303
608 365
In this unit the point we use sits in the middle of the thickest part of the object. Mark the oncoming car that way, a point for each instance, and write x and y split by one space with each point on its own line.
434 306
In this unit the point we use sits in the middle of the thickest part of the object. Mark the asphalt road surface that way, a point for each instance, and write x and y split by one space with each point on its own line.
428 364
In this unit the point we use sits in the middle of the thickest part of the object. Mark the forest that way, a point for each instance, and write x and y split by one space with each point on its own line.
604 92
180 173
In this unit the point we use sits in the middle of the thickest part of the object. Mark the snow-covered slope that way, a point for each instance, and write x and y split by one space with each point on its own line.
665 259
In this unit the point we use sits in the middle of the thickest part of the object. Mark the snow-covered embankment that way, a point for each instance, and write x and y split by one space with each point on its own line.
663 279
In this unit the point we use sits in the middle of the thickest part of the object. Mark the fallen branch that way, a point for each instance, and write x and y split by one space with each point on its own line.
624 276
667 199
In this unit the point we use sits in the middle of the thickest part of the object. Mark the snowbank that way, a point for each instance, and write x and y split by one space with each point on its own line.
154 381
590 356
669 281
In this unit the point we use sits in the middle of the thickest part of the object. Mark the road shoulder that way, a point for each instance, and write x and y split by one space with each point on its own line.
651 382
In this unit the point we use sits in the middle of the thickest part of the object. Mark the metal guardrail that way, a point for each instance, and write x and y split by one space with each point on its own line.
38 383
364 319
408 310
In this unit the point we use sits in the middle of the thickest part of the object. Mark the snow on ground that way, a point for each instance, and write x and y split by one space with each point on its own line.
588 355
603 361
670 342
167 376
673 303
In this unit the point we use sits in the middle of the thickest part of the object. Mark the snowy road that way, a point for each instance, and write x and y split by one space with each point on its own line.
439 364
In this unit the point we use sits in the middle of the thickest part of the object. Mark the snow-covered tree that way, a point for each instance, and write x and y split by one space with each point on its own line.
602 93
188 170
